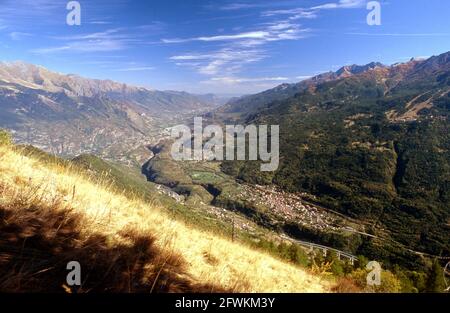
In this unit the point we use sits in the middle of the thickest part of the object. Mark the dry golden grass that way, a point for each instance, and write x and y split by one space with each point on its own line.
208 259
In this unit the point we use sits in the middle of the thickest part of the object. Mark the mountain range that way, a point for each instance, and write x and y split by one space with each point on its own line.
247 104
371 142
69 114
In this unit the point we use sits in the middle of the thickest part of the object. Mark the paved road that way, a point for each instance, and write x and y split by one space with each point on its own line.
340 253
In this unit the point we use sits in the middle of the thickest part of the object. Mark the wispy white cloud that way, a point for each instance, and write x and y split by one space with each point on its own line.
253 5
342 4
401 34
100 22
108 40
241 48
3 24
226 60
135 69
312 12
16 36
29 14
248 35
239 80
271 32
294 14
15 12
153 28
239 6
98 45
107 34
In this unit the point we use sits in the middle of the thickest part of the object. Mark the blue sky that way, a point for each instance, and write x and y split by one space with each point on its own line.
222 46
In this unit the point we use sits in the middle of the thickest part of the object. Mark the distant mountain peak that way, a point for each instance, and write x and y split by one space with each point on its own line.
283 86
358 69
375 70
39 77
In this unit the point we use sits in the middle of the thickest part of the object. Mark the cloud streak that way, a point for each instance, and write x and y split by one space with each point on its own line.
239 80
16 36
226 60
272 32
246 47
135 69
401 34
16 12
312 12
242 48
342 4
108 40
103 45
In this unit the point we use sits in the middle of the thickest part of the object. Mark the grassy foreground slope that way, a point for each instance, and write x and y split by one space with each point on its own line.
51 214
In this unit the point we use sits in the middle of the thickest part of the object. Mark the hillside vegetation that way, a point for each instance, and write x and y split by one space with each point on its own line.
373 145
53 213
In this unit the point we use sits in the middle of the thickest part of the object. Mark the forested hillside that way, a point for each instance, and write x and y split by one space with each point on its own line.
374 146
